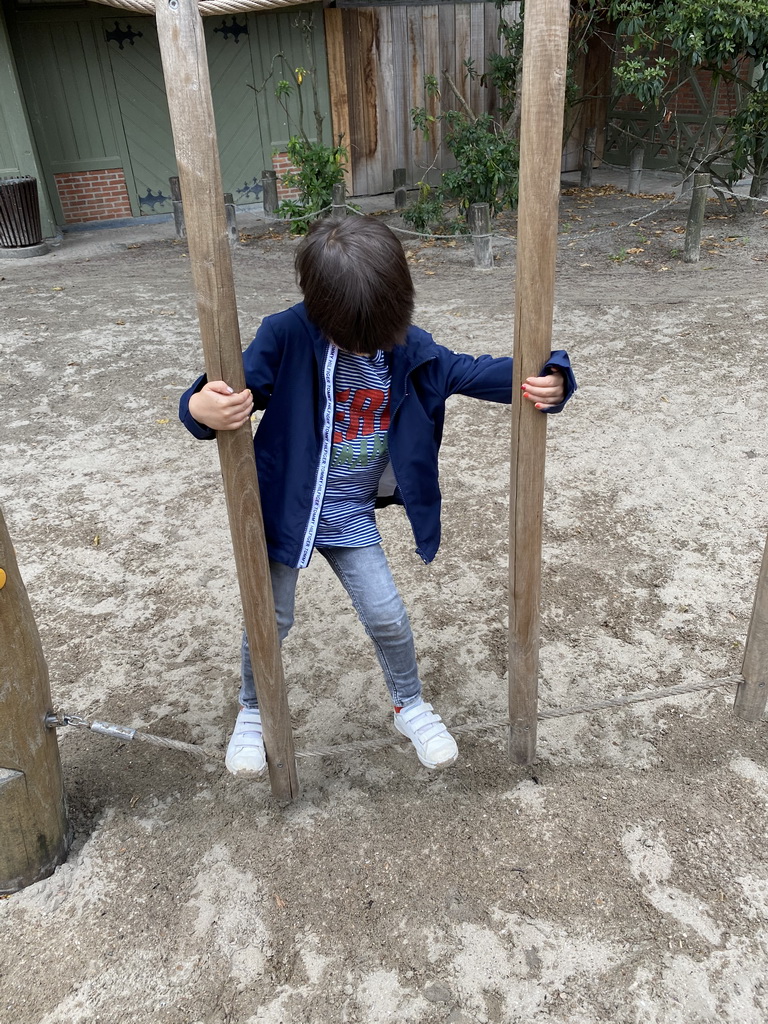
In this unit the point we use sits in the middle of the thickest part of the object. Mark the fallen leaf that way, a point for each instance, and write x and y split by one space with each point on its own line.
634 252
57 288
120 323
96 540
281 904
134 246
162 422
679 230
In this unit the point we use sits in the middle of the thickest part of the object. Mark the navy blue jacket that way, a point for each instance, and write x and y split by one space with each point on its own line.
289 368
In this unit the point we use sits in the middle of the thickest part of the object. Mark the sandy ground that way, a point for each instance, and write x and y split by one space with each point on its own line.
621 878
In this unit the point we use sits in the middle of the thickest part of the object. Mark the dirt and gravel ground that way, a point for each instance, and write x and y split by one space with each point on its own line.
622 878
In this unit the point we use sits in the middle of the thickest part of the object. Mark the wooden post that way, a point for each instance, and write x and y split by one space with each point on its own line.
269 192
588 157
182 47
753 691
231 218
636 160
178 208
480 229
398 187
178 213
541 141
339 201
33 817
695 223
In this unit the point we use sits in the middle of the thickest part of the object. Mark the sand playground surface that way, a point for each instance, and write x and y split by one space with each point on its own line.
621 878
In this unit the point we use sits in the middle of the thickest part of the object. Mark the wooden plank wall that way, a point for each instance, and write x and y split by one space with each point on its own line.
378 58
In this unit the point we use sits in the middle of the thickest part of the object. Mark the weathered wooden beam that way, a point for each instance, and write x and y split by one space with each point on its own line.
541 141
698 207
269 195
339 201
635 176
185 67
753 690
588 157
398 187
480 229
33 817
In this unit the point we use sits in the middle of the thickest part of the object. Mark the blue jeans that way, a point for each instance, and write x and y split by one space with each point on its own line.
364 573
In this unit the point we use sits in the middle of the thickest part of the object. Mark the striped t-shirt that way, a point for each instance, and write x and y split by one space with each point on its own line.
360 453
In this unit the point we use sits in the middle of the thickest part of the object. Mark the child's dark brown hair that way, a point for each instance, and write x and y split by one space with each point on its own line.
356 283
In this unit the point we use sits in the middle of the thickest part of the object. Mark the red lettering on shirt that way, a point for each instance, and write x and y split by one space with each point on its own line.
362 413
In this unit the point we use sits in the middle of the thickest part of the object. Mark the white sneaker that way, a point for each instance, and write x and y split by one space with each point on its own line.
246 753
435 747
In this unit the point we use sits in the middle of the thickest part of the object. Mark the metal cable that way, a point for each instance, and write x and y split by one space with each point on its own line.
122 732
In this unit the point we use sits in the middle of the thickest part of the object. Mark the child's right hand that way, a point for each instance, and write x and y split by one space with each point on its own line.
217 406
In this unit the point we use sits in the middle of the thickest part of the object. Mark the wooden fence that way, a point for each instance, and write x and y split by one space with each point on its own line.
378 59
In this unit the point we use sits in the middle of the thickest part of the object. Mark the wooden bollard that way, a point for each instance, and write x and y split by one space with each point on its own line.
229 210
480 229
269 192
691 252
33 817
398 187
339 201
588 157
636 160
178 213
178 208
753 690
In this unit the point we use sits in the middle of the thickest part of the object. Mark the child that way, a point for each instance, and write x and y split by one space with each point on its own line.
354 401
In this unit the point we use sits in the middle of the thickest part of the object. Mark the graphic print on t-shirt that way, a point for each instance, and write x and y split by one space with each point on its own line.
362 419
359 454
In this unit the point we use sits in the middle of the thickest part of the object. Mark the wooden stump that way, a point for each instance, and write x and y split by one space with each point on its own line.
33 818
753 691
692 250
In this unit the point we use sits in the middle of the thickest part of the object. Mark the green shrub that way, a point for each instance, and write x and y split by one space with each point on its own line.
318 169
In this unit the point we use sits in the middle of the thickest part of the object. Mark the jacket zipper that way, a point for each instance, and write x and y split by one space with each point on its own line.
321 476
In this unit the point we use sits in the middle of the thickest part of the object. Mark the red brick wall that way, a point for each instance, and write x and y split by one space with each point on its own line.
281 164
93 195
685 101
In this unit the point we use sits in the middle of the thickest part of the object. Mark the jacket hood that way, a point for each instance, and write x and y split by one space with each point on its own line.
419 346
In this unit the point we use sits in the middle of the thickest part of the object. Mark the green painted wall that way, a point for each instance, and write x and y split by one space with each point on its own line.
18 154
93 84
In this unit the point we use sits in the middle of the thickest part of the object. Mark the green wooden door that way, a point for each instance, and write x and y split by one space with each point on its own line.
247 56
134 56
93 85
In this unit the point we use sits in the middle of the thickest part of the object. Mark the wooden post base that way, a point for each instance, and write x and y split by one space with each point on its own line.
33 819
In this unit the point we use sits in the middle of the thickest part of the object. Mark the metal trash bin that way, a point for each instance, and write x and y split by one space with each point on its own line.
19 213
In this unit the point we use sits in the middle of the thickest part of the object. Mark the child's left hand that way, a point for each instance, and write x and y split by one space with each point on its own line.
545 392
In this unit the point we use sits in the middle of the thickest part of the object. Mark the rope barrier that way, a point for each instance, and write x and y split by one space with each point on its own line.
125 733
205 6
465 237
